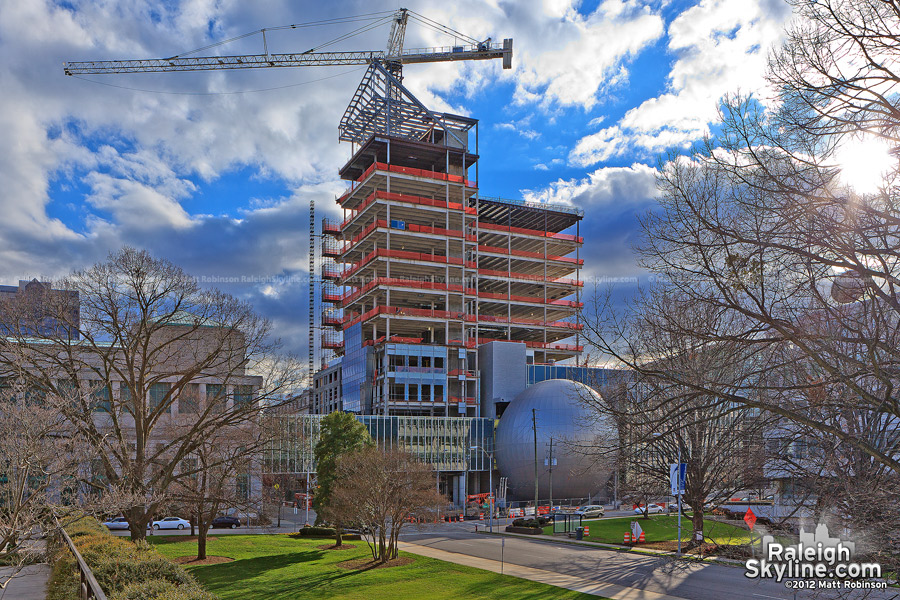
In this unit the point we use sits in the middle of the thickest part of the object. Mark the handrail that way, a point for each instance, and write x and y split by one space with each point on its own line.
90 589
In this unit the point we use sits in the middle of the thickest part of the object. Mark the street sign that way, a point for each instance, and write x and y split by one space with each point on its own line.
547 462
750 519
677 475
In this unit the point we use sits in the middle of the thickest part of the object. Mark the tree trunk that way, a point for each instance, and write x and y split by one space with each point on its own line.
697 522
338 532
194 521
203 529
137 522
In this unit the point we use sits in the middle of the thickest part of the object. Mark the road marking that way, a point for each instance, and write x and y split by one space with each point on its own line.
764 596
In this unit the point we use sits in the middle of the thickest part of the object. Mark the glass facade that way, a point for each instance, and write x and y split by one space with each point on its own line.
593 377
355 385
443 442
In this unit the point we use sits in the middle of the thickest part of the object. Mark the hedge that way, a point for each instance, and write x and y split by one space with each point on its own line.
539 522
124 570
326 532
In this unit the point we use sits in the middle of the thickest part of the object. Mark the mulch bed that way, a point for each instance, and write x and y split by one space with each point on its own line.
364 564
190 561
708 549
333 547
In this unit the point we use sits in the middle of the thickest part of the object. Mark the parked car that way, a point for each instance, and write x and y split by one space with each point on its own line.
651 509
223 521
117 523
171 523
590 511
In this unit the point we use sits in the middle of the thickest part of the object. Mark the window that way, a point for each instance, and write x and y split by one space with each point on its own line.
35 396
439 393
426 393
215 396
243 486
101 397
413 392
189 399
413 361
438 362
125 397
243 395
157 396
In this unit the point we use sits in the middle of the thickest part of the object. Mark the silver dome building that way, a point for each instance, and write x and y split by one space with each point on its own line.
561 414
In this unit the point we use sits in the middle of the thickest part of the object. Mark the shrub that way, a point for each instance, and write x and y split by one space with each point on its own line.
85 526
539 522
317 532
162 590
121 567
117 570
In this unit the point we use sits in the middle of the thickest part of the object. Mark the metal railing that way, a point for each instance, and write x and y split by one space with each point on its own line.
554 206
89 589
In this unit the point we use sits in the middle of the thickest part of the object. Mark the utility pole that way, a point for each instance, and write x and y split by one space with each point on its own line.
678 474
534 428
550 464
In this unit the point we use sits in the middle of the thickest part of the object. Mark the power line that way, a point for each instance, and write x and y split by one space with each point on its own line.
334 21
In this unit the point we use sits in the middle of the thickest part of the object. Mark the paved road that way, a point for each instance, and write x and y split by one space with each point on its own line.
657 574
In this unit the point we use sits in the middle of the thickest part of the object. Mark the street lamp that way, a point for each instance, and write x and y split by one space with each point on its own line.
677 488
490 455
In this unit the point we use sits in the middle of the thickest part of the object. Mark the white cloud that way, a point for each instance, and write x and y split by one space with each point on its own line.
721 46
604 187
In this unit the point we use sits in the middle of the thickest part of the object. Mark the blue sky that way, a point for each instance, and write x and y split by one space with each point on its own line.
215 170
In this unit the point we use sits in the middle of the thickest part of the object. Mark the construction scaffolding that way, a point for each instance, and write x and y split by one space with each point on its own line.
421 269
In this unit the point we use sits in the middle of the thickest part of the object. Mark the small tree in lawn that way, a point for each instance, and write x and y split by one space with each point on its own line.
341 433
381 491
216 465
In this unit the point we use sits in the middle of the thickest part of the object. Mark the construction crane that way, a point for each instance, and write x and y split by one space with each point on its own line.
395 55
381 104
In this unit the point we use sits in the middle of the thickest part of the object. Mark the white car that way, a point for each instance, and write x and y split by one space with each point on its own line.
117 523
171 523
651 509
590 511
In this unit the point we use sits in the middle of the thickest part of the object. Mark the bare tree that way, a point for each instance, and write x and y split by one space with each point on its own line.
147 340
801 272
663 419
381 491
42 474
836 72
216 467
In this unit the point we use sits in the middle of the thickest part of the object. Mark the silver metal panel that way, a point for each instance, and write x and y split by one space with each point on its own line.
578 434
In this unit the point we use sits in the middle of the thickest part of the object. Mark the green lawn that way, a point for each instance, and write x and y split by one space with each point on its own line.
275 567
660 528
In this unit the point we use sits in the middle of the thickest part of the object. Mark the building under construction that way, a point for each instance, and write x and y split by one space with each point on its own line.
422 269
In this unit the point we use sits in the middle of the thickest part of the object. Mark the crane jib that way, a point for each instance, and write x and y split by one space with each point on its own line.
305 59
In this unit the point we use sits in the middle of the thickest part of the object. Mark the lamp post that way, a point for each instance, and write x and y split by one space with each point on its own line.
490 456
677 487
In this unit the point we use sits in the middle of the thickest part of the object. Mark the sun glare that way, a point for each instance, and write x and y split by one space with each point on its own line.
864 163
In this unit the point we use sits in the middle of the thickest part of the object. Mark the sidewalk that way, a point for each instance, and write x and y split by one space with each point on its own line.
569 582
29 584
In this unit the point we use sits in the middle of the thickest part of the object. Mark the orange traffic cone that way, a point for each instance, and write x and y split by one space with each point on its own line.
587 531
460 518
481 516
627 537
641 539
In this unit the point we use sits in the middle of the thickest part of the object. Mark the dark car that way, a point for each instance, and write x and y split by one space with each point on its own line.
231 522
